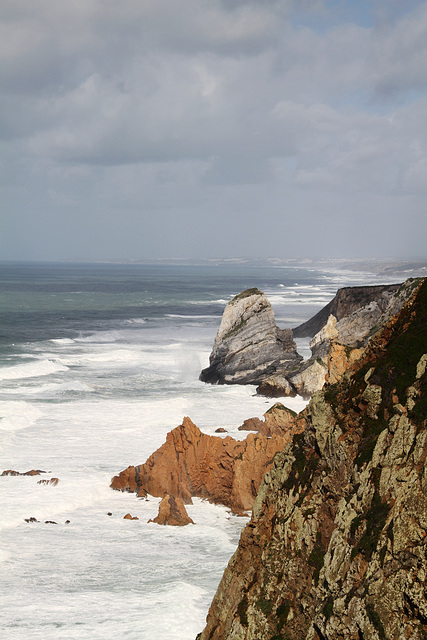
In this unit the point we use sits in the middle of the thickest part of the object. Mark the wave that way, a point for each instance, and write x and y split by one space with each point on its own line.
31 370
51 389
101 337
206 302
174 315
62 341
133 321
15 416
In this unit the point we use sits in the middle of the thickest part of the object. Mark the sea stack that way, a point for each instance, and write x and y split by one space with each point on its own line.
249 346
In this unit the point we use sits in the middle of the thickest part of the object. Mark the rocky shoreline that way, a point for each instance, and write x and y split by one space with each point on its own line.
336 545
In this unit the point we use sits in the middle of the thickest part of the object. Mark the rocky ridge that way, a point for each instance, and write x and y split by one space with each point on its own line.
336 546
222 470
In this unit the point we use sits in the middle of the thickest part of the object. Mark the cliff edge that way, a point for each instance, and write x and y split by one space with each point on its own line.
336 546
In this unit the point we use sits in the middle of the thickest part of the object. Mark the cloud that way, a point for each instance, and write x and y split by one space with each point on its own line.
208 105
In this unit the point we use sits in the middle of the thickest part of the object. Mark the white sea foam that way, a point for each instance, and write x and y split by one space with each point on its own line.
188 317
33 369
15 416
102 337
133 321
51 389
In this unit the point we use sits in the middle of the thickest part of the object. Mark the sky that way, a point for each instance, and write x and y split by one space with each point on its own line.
148 129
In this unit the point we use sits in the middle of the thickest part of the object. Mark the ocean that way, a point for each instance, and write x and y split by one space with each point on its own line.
97 363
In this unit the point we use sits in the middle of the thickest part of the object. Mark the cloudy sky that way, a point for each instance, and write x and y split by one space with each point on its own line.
138 129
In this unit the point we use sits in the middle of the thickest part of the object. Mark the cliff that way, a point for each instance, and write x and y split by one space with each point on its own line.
336 546
250 349
341 338
249 346
346 301
193 464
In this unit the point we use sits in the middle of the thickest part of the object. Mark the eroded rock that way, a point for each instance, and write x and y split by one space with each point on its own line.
172 512
278 421
191 463
33 472
249 347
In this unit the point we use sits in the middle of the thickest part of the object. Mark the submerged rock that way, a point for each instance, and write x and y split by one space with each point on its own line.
172 512
51 481
33 472
249 346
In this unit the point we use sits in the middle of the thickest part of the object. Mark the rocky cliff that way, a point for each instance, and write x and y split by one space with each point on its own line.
340 339
346 301
249 346
222 470
336 546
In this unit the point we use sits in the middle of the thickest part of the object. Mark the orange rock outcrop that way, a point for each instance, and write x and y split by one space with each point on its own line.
172 512
341 359
193 464
278 421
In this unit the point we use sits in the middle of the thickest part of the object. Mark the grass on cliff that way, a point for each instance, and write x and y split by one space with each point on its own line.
246 294
281 407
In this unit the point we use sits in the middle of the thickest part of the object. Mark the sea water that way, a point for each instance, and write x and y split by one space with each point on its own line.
97 364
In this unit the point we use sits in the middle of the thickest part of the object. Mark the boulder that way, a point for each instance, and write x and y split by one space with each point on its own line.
249 347
129 517
276 387
172 512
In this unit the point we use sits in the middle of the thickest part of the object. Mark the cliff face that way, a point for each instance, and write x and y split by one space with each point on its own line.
347 301
336 547
356 314
249 346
